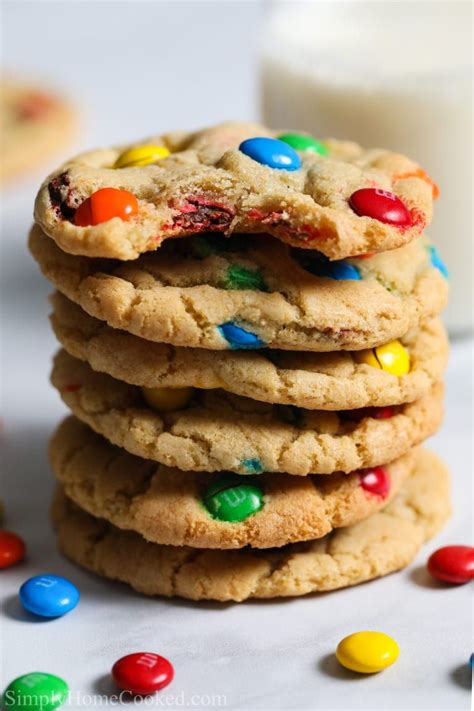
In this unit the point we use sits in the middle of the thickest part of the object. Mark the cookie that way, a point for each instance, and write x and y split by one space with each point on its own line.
382 544
182 184
217 431
35 124
316 381
250 293
222 511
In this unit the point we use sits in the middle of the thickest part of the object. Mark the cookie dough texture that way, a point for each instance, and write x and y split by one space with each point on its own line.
166 505
383 543
221 431
208 184
324 381
175 297
34 125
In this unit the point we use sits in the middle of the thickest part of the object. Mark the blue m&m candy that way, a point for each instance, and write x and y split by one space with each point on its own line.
344 270
238 337
271 152
49 595
436 261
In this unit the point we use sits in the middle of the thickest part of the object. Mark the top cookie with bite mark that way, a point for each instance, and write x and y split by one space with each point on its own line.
333 196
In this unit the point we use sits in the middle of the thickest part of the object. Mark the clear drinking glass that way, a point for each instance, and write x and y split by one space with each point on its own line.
390 74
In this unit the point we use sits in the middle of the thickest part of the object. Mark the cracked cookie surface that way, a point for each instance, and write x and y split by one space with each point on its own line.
207 183
220 431
34 125
325 381
169 506
385 542
187 298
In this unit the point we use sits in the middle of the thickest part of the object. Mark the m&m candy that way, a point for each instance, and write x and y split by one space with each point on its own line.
48 595
142 673
342 270
375 481
105 204
437 262
238 338
452 564
12 549
271 152
391 357
367 652
302 142
35 691
228 499
381 205
167 399
141 155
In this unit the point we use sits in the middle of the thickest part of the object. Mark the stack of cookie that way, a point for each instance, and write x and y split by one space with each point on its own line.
248 399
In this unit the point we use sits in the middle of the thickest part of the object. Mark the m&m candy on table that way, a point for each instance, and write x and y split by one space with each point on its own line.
35 691
302 142
271 152
12 549
167 399
381 205
230 499
49 595
105 204
392 357
142 673
452 564
141 155
367 652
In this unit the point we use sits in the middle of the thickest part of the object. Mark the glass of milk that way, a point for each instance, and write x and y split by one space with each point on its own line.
396 75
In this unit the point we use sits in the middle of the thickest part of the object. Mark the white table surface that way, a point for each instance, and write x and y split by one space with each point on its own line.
135 68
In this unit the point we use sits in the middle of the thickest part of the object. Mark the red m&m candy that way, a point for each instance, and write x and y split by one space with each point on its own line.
105 204
380 205
375 481
12 549
142 673
452 564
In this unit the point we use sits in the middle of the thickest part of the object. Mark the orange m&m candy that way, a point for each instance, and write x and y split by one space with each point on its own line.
105 204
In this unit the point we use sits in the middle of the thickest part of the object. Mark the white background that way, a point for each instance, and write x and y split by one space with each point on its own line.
134 69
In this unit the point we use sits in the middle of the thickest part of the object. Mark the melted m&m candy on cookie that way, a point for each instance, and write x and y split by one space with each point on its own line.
230 499
375 481
271 152
304 143
104 205
380 205
391 357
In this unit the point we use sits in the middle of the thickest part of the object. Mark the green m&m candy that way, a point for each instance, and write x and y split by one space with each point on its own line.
302 142
228 499
238 277
35 691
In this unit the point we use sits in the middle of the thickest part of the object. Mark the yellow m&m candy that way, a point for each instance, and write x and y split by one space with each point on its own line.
391 357
367 652
167 399
141 155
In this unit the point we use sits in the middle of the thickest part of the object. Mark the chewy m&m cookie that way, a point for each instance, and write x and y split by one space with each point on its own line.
250 292
315 381
35 125
331 196
384 542
220 510
215 430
